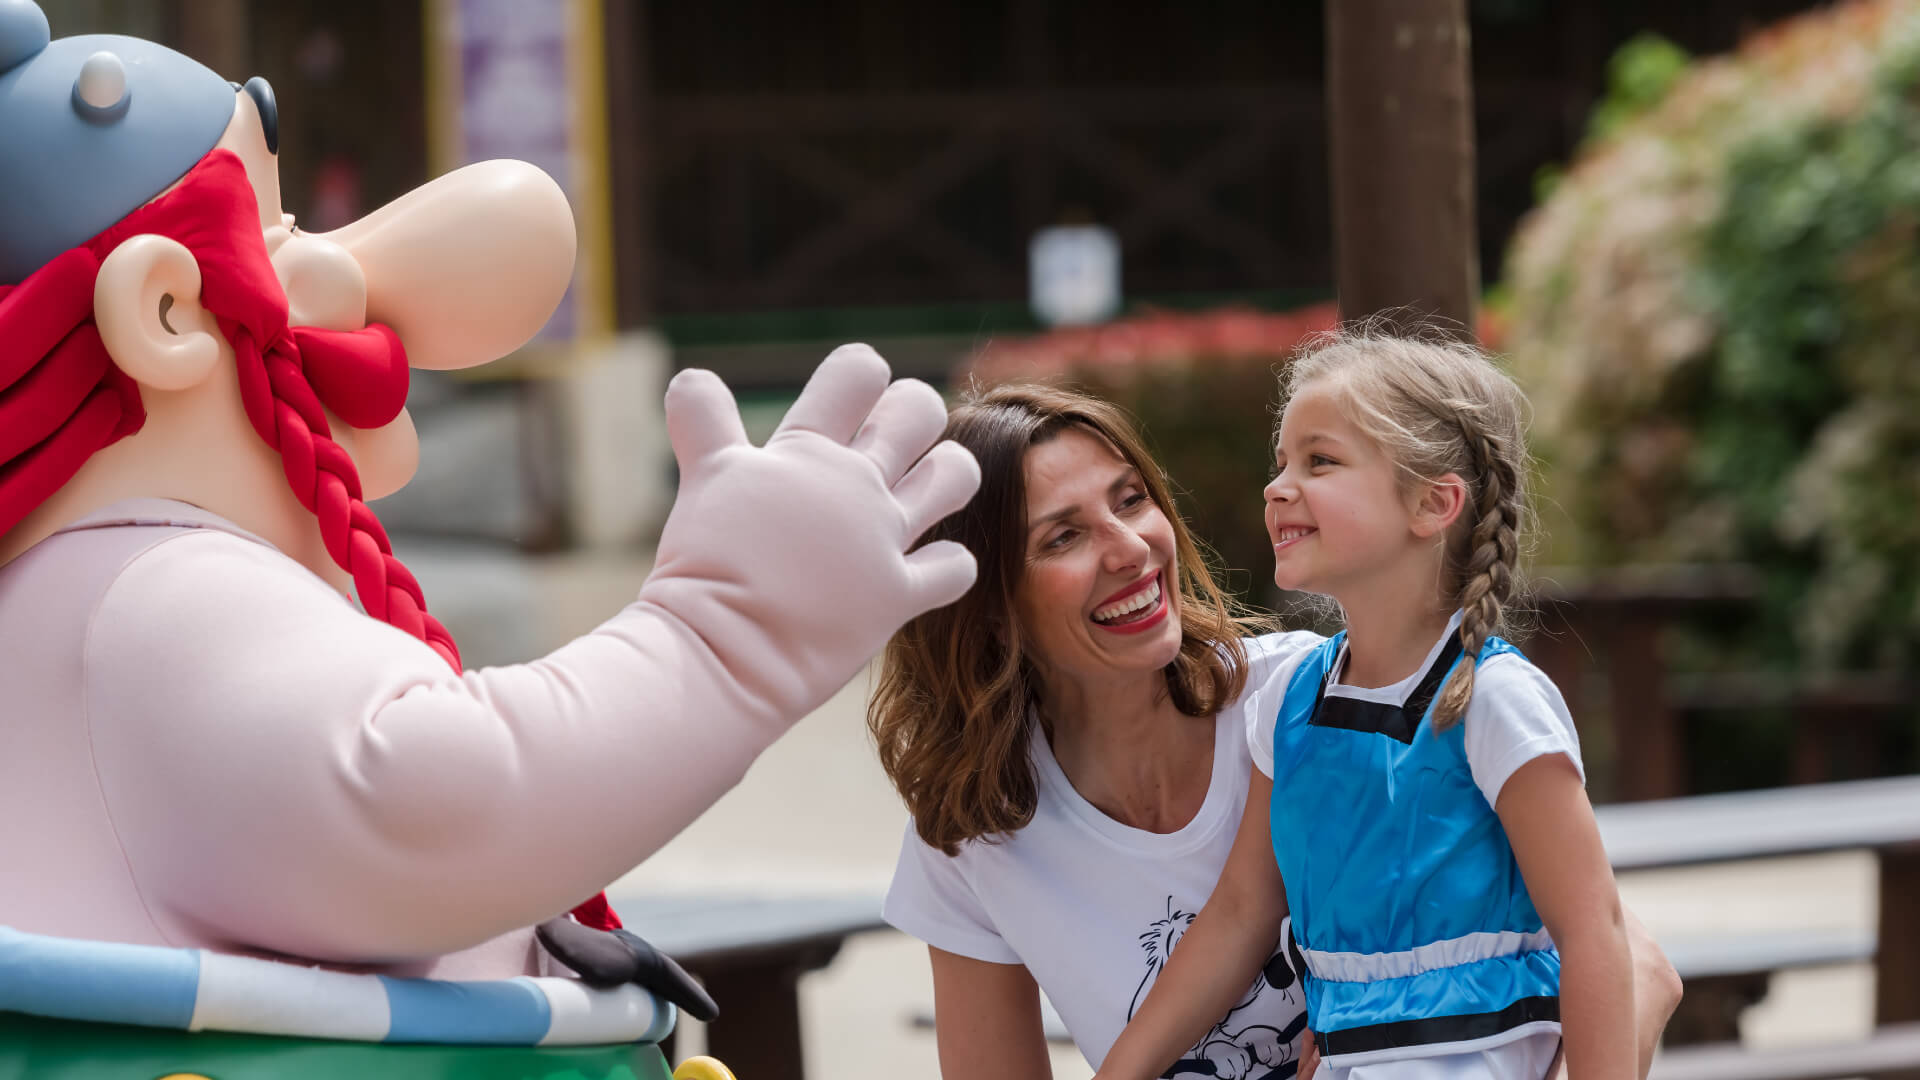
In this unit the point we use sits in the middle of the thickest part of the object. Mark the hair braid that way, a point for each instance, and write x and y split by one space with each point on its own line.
1493 552
286 413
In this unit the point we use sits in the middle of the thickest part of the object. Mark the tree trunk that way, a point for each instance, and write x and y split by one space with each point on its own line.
1400 112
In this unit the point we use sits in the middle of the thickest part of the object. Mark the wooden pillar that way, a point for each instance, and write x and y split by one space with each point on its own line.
1400 120
1897 965
630 160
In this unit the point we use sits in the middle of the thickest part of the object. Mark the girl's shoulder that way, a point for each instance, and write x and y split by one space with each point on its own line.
1280 647
1273 657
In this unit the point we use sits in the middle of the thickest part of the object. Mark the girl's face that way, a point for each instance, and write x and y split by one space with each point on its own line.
1100 590
1336 512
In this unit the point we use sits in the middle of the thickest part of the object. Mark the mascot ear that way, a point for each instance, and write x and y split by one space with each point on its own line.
146 302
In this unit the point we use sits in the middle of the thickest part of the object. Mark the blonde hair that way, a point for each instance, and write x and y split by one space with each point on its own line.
1437 405
950 714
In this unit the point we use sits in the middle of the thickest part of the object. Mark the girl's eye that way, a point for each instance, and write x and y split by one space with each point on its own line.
1318 460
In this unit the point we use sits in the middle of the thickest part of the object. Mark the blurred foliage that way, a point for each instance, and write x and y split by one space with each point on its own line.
1717 317
1639 74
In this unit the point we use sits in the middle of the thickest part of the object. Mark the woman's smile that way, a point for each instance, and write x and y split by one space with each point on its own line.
1134 608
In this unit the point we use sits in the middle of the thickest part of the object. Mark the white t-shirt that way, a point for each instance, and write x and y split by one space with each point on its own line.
1516 714
1092 907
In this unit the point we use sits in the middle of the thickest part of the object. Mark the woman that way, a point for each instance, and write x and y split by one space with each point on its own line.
1071 740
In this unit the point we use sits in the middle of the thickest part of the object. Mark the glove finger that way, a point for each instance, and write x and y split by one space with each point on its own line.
939 484
939 574
702 418
908 418
842 391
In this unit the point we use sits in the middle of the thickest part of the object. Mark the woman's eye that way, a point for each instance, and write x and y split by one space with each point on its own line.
1133 501
1059 540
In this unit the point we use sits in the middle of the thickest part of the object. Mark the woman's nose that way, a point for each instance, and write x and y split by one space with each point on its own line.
1125 548
466 268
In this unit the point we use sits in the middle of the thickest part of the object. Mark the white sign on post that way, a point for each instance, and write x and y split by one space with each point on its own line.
1075 271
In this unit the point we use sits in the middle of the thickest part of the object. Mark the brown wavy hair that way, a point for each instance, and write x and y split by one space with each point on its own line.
951 714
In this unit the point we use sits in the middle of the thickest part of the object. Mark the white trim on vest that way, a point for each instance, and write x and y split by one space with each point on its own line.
1372 967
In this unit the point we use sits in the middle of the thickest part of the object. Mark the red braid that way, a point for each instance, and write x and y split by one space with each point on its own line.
54 369
286 413
214 213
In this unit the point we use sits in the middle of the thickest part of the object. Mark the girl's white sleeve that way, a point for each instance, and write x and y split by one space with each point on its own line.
1516 714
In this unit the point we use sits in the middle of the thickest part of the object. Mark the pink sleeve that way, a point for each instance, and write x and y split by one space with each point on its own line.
286 774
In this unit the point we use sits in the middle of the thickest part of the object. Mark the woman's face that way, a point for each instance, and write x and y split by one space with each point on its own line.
1100 593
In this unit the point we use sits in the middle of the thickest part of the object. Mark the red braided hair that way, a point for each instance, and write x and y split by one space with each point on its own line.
62 399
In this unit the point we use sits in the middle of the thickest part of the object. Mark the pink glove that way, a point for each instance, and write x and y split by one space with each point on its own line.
788 561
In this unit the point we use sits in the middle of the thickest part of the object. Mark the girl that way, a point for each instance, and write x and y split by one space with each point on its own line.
1458 908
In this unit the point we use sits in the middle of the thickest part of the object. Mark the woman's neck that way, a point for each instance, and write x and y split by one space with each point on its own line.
1127 750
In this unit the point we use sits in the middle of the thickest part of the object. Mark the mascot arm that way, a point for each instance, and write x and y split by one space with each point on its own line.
287 774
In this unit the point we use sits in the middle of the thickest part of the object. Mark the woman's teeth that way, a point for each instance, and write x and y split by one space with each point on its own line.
1140 601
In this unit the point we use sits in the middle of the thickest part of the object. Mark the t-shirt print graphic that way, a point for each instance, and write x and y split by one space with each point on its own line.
1247 1043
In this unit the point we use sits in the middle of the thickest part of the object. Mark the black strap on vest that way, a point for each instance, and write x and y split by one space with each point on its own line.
1394 721
1430 1030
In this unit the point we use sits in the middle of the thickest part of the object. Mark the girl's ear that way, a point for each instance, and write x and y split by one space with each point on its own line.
146 303
1438 505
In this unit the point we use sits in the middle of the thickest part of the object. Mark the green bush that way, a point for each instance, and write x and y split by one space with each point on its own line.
1717 316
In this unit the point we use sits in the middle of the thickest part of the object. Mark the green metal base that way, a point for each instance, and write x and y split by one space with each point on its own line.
31 1046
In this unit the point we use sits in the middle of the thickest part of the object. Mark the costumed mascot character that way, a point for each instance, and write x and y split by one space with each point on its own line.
240 803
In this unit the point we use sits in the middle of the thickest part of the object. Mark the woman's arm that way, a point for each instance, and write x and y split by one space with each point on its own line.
987 1020
1218 957
1656 993
1550 824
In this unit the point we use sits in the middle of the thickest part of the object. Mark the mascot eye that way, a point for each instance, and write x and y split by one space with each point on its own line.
261 92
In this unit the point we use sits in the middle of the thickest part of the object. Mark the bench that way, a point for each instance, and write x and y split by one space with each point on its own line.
1890 1052
750 951
1879 815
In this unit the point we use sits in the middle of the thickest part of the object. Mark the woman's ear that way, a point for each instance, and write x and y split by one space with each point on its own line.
1439 505
146 302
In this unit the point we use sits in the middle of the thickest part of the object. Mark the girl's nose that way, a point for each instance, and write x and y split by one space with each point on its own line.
1280 488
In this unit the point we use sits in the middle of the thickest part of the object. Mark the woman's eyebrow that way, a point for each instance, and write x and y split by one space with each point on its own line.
1057 515
1129 477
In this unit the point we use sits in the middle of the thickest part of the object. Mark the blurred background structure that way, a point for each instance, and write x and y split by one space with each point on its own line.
1694 230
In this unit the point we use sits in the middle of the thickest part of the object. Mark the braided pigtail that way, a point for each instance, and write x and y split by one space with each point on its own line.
1493 552
285 411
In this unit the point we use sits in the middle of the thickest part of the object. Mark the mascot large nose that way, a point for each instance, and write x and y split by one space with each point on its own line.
466 268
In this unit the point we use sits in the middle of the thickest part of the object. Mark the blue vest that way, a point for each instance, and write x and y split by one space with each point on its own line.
1407 904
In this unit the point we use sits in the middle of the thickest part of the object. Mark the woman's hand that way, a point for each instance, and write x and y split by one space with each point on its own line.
1309 1056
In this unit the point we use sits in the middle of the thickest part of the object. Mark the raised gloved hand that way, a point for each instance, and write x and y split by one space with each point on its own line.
789 561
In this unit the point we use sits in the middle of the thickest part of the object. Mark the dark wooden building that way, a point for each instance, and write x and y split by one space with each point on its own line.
810 170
